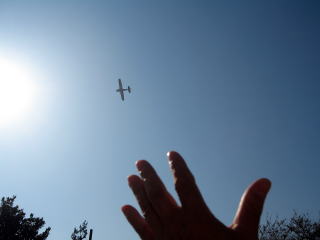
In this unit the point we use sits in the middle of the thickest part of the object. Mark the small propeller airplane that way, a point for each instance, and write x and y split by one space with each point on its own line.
121 89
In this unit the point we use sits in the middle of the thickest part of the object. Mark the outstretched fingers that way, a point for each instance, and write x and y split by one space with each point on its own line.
137 186
161 200
250 208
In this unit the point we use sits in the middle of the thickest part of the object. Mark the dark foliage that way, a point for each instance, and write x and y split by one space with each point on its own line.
298 227
81 232
14 225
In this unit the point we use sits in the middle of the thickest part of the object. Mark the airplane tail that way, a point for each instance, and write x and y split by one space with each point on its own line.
129 89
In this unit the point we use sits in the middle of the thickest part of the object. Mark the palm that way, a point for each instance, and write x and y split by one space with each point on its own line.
164 219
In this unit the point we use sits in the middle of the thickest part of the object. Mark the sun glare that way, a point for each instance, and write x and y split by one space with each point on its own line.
17 92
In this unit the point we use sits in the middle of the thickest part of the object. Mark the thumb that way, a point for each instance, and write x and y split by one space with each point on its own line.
250 208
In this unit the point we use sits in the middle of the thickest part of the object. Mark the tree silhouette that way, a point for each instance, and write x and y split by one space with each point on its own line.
81 232
298 227
14 225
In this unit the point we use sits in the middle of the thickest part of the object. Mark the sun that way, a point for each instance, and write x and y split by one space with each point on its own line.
17 92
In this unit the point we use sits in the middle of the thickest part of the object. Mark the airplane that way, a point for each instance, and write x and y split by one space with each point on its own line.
121 89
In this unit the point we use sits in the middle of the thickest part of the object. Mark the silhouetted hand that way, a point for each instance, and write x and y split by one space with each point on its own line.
164 219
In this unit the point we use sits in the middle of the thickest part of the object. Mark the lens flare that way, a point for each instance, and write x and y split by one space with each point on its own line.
17 92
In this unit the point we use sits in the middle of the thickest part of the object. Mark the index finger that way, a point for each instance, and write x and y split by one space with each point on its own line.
186 187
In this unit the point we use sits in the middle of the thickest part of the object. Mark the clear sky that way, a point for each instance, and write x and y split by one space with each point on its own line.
232 85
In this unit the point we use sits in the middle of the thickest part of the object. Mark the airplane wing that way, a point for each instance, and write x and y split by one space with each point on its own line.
122 95
120 84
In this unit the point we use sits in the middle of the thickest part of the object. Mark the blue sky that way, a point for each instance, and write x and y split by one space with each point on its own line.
233 86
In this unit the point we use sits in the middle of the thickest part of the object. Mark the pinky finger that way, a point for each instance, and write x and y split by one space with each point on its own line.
137 222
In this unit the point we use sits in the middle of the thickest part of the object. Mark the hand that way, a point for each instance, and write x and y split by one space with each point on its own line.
164 219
